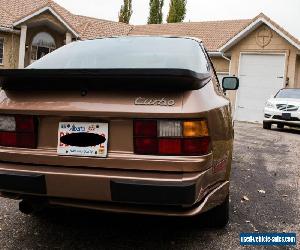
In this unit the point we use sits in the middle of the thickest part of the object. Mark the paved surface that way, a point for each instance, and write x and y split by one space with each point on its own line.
263 160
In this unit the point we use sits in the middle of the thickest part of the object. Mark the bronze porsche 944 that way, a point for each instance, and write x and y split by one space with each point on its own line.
122 124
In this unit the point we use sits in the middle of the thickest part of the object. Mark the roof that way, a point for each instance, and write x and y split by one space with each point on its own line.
12 11
90 28
213 33
216 35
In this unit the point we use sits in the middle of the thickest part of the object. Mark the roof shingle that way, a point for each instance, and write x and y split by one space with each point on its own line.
212 33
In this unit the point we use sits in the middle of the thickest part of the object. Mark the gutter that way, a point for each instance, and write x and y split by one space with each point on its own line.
10 30
223 55
214 53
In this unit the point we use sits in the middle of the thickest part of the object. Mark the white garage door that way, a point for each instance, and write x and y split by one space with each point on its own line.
260 77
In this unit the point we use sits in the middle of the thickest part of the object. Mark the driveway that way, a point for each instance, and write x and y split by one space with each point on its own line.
264 160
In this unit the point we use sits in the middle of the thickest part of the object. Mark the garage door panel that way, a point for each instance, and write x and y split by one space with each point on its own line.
260 77
255 62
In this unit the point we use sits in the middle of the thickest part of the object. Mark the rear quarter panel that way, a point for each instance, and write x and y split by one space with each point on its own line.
216 108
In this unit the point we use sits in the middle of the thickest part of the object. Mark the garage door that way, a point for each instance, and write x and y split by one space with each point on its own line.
260 77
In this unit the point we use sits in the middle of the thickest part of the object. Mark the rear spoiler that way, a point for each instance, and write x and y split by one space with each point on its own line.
132 79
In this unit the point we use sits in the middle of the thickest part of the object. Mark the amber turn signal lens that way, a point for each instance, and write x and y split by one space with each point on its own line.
195 128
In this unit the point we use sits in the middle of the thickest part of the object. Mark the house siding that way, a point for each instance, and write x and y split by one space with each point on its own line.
220 64
11 50
297 75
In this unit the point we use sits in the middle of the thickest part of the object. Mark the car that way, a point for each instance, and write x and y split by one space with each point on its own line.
283 109
122 124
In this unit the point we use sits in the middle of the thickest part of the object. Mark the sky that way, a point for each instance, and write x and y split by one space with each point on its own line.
285 12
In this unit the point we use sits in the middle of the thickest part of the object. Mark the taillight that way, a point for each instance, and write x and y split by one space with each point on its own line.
196 146
171 137
145 145
169 146
18 131
145 128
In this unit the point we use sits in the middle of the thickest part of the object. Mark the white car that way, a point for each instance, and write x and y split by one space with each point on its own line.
283 109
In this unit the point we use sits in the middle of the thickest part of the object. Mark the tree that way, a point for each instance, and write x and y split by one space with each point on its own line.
125 11
177 11
155 15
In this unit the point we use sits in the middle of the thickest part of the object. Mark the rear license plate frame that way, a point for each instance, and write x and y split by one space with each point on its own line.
98 151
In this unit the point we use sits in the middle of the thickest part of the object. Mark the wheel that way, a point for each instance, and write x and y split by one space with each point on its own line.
267 125
280 125
218 217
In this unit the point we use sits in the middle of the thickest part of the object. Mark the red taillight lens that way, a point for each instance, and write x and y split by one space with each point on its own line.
168 137
145 128
8 139
145 146
196 146
169 147
24 124
18 131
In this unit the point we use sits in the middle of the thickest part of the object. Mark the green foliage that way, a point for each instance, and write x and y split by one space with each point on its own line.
125 11
177 11
155 15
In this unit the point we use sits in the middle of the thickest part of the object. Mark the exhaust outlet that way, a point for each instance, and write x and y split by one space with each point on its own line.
25 207
30 207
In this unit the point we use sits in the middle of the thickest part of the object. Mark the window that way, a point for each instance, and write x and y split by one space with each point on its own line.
1 49
288 93
129 52
42 44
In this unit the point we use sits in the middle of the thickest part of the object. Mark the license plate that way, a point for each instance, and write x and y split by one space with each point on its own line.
286 116
82 139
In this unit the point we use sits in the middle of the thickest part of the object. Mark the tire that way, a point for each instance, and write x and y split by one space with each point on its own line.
280 125
267 125
218 217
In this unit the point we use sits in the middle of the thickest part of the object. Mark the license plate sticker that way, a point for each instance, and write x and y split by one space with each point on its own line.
82 139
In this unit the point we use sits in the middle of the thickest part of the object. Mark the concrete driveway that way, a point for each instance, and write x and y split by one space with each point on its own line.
264 160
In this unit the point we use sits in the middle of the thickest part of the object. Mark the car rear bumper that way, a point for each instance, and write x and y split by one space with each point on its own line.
181 194
213 198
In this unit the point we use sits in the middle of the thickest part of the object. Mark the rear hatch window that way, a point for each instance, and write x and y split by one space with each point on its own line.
128 53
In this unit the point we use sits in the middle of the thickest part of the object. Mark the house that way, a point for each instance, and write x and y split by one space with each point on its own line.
262 54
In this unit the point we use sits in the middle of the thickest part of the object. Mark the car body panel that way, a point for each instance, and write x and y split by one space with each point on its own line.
282 105
82 181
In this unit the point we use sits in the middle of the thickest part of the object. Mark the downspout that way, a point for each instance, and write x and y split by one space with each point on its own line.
228 59
223 55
